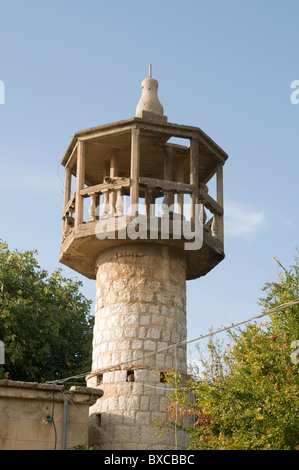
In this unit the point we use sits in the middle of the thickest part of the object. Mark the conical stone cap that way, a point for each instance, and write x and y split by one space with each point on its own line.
149 103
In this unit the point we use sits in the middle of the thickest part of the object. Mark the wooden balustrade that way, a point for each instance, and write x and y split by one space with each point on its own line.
166 188
112 192
68 220
112 201
215 224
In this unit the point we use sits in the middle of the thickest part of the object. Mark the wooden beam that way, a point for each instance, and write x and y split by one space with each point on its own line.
113 173
105 132
70 205
194 174
209 176
185 132
72 158
106 169
168 174
149 202
134 172
220 200
169 129
168 163
114 163
220 185
67 186
80 176
116 183
209 202
179 170
166 185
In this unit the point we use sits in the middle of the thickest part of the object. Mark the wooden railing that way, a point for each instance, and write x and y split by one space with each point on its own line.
215 224
107 200
170 188
112 203
68 220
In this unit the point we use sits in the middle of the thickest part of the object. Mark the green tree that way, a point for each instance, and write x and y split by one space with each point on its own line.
247 395
45 322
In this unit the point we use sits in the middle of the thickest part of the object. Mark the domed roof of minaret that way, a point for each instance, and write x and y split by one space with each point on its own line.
149 105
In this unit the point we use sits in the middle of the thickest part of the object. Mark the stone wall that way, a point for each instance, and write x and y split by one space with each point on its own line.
25 406
133 414
140 308
140 313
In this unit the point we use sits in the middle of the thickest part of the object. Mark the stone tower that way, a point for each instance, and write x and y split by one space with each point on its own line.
149 226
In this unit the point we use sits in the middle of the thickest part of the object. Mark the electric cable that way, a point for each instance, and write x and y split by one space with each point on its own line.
87 417
209 334
181 343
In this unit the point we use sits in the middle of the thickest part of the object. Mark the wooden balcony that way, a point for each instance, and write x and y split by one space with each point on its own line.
130 169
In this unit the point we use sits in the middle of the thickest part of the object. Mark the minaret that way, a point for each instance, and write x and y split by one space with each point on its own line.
140 255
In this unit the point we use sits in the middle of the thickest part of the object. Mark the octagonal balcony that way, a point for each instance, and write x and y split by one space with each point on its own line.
139 173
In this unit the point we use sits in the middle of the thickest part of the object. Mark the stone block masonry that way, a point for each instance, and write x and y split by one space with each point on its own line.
26 406
140 310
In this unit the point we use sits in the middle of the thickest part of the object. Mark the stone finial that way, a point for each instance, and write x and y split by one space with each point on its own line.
149 105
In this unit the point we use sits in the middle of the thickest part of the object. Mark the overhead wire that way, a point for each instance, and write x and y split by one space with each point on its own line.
181 343
87 417
210 333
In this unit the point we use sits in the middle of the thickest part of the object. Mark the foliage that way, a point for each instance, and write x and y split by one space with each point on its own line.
246 397
44 320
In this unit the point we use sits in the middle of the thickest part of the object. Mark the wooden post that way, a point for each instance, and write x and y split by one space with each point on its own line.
67 186
113 173
149 202
134 174
220 200
105 205
106 169
194 174
180 179
80 177
168 196
92 208
114 164
119 203
97 207
67 196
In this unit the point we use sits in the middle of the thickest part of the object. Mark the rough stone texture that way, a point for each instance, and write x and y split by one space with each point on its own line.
149 100
24 407
140 310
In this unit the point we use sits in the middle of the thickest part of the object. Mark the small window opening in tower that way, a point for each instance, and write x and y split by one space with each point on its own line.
97 418
99 379
130 376
162 377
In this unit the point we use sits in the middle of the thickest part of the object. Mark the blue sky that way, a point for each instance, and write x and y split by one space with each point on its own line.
225 67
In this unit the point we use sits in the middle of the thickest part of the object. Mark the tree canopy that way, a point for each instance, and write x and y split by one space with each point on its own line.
45 322
244 392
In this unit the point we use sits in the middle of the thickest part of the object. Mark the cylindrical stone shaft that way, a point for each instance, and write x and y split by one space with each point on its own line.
140 314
